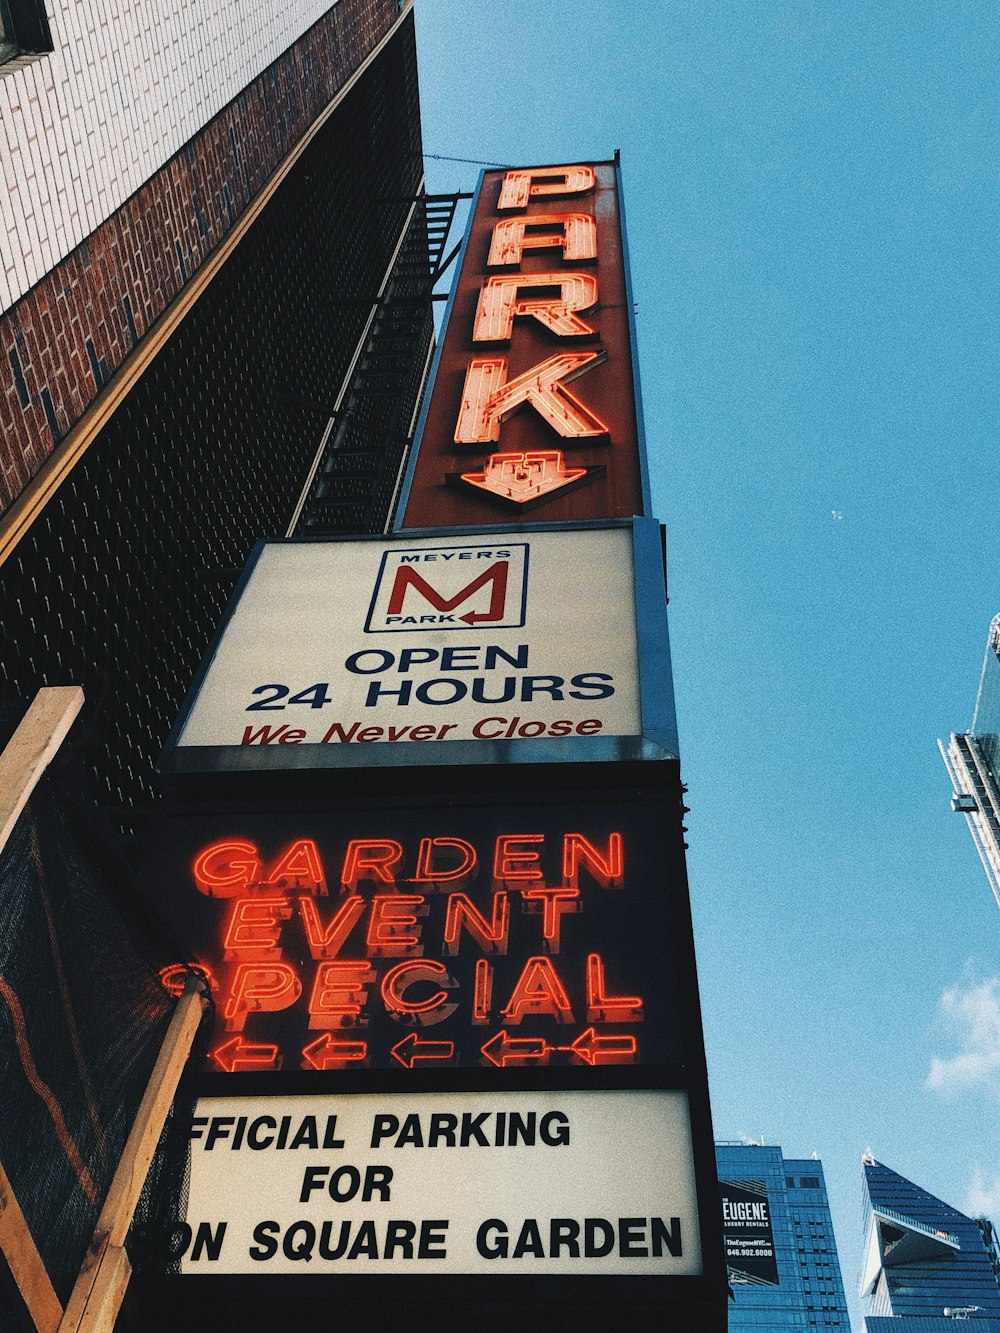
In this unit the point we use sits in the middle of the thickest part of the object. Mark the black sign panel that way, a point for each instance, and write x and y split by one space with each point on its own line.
746 1228
480 935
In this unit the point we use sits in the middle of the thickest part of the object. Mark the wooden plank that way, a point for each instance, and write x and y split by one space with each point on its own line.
116 1215
130 1175
25 1263
108 1292
39 491
32 747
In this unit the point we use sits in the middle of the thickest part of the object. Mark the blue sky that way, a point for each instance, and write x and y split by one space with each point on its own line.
813 218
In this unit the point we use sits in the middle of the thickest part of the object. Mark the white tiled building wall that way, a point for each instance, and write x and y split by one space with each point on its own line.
129 82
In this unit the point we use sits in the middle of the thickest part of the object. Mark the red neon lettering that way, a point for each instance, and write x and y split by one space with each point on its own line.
539 990
299 866
554 903
488 399
574 233
253 930
339 994
605 1008
432 1008
512 861
607 869
327 942
496 575
388 936
425 858
482 991
370 859
222 869
491 936
501 302
259 986
519 186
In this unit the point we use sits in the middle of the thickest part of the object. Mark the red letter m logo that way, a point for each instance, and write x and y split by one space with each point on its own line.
409 578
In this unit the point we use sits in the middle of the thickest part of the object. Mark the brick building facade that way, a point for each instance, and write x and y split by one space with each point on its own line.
68 329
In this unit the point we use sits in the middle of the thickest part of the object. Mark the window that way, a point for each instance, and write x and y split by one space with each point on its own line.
24 29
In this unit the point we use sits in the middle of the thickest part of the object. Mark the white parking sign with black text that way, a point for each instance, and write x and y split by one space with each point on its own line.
524 1182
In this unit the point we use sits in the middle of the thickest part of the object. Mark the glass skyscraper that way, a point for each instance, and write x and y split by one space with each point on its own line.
973 762
926 1265
780 1249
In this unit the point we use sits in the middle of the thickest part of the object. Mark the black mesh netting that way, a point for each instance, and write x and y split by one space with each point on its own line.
83 1014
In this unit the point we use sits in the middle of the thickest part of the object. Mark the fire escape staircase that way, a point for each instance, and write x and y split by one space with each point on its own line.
355 476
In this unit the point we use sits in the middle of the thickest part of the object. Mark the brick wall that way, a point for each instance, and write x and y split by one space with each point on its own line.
62 341
124 89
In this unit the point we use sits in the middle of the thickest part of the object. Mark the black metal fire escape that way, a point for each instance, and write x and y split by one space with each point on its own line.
353 484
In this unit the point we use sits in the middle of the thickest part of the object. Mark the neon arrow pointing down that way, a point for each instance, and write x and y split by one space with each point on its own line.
529 476
590 1047
237 1054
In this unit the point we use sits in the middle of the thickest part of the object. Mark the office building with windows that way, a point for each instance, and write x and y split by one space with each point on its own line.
926 1265
973 762
781 1253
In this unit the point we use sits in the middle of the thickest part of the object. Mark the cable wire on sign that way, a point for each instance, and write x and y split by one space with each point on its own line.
472 162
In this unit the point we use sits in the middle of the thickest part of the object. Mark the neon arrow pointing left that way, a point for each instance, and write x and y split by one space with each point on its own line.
326 1053
604 1048
503 1050
411 1050
236 1055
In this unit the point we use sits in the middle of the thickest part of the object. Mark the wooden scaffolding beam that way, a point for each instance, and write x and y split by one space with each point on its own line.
100 1285
32 748
25 1263
24 759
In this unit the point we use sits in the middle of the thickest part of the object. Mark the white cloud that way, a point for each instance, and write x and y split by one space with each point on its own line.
982 1198
972 1013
